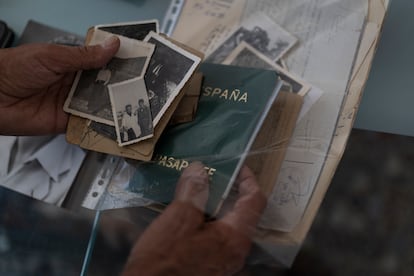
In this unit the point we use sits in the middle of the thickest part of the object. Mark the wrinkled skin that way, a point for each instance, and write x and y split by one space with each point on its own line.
34 83
181 242
35 80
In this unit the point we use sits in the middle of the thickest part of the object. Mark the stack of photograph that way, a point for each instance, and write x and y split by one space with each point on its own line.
134 94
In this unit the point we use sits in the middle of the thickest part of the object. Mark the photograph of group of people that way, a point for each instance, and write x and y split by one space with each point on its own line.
131 104
136 123
88 97
133 90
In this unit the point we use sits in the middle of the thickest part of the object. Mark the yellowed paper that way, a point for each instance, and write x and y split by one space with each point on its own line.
329 33
204 23
285 245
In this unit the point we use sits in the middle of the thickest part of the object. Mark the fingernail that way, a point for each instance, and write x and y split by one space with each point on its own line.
110 42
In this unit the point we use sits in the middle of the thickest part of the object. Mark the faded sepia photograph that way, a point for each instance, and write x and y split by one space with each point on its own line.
135 30
89 97
245 55
262 33
169 69
132 114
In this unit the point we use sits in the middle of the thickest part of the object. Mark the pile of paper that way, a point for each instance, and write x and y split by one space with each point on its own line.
332 49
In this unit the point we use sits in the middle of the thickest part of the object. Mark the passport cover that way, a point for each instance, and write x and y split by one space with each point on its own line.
233 105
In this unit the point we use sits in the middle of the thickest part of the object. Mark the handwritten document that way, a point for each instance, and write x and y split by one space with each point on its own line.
325 28
203 23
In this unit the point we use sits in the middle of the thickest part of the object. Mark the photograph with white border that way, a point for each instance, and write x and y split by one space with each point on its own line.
169 69
88 97
132 114
259 31
135 29
246 55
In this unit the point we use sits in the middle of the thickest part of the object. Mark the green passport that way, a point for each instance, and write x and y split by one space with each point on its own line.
233 104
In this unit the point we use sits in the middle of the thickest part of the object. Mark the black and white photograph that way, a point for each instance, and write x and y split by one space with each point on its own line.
169 69
135 30
132 114
262 33
89 97
245 55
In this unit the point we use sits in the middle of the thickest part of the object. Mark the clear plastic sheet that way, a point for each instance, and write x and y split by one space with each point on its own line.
333 58
105 238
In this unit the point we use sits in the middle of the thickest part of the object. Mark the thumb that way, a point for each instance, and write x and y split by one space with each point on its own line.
70 59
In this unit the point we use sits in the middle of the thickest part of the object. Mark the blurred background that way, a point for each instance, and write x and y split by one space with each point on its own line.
366 221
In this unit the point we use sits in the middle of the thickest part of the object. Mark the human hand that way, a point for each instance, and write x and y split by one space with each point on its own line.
35 80
180 242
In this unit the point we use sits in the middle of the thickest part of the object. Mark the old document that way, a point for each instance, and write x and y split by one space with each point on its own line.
203 24
324 28
329 33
